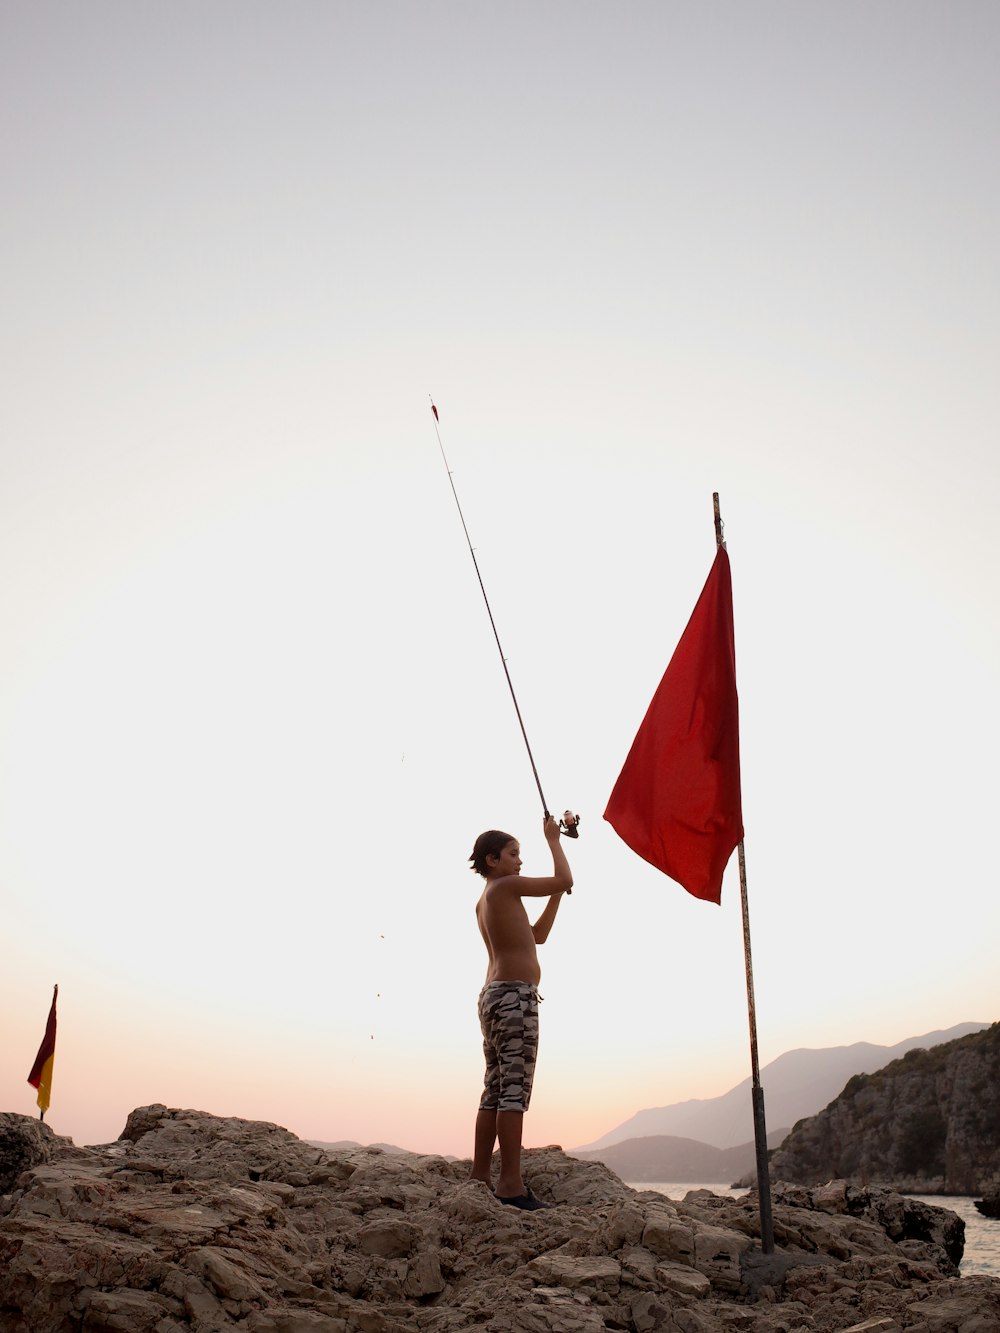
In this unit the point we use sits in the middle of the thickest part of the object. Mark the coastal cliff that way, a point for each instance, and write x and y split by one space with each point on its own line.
928 1123
190 1222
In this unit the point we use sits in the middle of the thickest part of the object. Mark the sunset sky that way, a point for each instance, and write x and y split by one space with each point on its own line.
252 715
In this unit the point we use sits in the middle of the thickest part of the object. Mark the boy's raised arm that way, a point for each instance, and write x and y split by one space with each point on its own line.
530 886
540 930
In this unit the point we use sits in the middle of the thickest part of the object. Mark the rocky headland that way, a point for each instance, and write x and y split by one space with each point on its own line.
928 1123
798 1084
192 1222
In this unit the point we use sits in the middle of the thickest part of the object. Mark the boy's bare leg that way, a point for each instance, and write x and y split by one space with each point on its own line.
486 1137
509 1127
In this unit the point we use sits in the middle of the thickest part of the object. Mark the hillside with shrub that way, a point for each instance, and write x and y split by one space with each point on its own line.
929 1123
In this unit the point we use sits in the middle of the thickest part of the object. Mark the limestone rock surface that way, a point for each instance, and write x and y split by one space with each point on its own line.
194 1222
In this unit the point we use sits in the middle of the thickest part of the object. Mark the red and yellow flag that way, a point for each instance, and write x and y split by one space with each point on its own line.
41 1071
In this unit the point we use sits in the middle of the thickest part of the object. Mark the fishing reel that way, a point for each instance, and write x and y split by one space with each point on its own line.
569 825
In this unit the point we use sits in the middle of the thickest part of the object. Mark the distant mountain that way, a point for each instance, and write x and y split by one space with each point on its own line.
345 1145
796 1084
663 1157
926 1124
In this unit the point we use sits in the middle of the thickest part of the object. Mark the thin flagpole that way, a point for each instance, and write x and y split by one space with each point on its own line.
757 1092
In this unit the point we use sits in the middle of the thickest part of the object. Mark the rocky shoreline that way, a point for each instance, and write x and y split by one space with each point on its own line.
195 1222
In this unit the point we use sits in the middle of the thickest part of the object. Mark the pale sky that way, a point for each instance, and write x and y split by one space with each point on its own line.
252 715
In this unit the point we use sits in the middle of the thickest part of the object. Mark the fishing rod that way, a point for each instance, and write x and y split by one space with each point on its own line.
569 824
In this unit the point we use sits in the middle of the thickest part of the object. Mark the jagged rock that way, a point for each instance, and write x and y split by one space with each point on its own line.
194 1222
23 1144
989 1207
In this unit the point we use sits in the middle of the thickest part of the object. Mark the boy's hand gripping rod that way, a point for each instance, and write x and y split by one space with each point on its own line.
569 824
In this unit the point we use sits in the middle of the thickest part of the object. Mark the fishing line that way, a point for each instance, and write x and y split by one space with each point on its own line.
569 822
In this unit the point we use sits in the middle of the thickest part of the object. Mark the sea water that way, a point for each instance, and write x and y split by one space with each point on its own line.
982 1234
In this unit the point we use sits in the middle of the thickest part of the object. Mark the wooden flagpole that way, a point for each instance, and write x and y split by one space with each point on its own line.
757 1092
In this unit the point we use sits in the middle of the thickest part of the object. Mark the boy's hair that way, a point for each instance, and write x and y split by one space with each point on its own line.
490 843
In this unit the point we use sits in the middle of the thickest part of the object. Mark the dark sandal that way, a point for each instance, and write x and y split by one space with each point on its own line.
526 1201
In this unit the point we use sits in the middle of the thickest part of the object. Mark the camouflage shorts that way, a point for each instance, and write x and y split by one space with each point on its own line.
508 1016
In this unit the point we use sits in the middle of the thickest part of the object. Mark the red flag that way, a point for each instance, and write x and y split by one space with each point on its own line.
677 800
41 1071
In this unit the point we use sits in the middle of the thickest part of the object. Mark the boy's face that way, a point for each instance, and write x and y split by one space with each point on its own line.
509 860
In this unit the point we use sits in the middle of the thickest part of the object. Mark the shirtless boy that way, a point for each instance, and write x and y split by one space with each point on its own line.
508 1002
